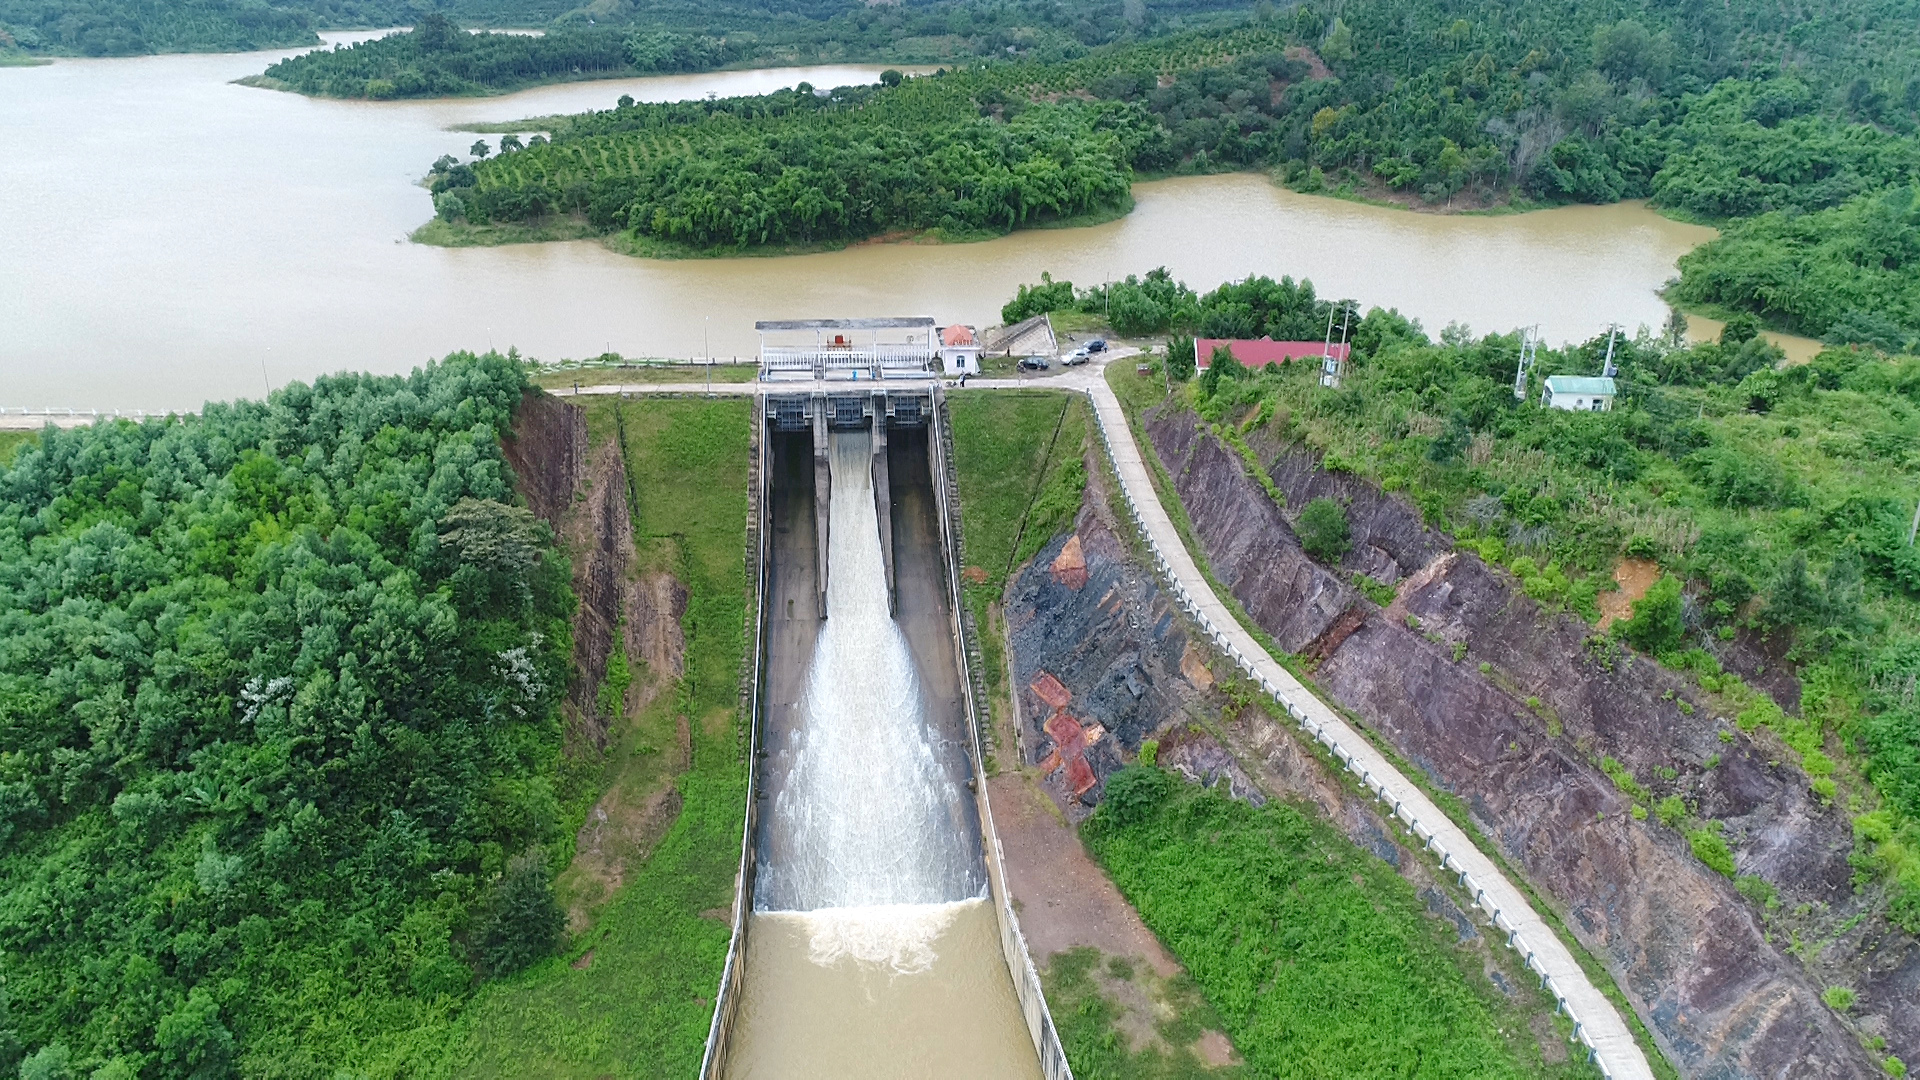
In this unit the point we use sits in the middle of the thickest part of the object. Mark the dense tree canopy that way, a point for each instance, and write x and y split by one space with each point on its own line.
277 712
1715 113
794 167
130 27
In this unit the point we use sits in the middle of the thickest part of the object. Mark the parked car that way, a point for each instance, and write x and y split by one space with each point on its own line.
1075 358
1033 363
1097 345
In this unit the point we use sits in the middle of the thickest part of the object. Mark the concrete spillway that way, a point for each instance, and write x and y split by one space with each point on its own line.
876 945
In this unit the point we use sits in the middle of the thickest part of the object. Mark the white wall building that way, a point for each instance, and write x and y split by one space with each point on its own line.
959 350
1578 393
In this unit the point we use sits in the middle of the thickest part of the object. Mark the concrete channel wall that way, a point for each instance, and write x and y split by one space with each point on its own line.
1013 944
1596 1023
727 998
775 494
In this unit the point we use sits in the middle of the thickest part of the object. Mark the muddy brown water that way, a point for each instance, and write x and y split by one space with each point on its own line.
173 238
820 1004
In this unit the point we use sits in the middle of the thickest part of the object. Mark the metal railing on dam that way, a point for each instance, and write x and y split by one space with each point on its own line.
732 1032
1596 1023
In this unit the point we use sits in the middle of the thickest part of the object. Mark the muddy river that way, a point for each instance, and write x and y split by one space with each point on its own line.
172 237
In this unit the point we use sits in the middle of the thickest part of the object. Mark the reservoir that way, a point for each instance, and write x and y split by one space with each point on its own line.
172 237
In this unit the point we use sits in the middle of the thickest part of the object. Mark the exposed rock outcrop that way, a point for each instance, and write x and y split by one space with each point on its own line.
580 490
1691 952
1093 637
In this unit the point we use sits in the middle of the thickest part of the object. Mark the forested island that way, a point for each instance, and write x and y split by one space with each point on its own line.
1803 147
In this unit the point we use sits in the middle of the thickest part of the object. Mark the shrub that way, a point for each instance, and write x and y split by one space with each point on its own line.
1758 890
1180 362
523 923
1711 848
1133 793
1671 811
1656 626
1322 527
1838 998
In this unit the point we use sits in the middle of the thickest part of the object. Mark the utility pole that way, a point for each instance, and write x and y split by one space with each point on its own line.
1529 344
1607 370
1911 529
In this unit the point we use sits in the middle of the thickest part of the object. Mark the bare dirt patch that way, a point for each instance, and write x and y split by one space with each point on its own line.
1635 577
1065 899
1316 67
1067 902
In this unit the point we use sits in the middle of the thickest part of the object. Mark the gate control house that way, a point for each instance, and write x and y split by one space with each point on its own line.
846 348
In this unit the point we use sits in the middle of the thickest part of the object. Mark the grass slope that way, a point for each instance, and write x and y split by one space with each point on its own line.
642 1004
1320 960
1018 456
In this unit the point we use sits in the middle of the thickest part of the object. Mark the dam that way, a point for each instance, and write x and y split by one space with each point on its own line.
873 937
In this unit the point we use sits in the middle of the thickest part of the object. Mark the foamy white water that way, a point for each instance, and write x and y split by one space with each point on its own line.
870 807
871 953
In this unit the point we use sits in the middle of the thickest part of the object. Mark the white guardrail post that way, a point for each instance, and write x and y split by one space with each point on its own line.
1614 1052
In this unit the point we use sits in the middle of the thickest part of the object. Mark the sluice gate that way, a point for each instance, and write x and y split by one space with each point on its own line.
871 895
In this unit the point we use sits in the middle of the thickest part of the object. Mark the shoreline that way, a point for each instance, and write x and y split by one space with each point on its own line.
555 228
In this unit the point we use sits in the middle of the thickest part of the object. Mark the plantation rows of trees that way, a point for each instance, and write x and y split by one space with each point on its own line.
1801 135
795 167
278 730
1779 499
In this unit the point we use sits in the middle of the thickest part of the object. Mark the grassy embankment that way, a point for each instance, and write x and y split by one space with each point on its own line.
635 995
1018 489
645 372
1317 956
1019 458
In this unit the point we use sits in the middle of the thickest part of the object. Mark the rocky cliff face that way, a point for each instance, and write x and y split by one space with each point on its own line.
1095 645
1521 739
581 491
1097 658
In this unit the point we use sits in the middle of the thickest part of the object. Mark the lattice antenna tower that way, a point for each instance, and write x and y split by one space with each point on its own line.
1529 348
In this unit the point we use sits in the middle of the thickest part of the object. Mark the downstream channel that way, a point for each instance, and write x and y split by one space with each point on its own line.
227 238
873 948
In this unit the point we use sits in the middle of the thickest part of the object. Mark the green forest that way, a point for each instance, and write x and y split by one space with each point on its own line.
434 60
1779 500
1800 137
135 27
278 703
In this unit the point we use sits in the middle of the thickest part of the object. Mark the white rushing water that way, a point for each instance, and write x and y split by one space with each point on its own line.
870 807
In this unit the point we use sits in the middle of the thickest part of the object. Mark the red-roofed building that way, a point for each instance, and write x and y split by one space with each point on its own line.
1258 354
959 350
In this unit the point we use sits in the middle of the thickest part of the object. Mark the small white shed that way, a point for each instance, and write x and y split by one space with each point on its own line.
959 350
1578 393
